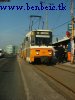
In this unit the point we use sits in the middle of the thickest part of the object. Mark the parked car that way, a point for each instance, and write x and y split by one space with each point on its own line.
1 53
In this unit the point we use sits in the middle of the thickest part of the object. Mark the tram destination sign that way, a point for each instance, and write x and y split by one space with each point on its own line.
43 36
43 33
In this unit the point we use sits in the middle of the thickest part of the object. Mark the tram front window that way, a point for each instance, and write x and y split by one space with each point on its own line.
42 41
40 38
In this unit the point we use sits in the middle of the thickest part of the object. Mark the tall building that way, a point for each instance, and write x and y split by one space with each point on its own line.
11 49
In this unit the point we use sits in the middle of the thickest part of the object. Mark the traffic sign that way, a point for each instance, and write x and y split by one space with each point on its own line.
68 34
69 27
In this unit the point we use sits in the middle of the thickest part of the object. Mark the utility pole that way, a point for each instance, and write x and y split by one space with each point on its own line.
72 35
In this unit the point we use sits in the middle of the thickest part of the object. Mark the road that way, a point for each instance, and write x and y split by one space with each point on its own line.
11 84
19 81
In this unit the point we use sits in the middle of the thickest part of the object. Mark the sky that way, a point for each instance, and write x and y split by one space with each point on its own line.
14 24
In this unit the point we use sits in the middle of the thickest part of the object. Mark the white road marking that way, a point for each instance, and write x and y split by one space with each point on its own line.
25 84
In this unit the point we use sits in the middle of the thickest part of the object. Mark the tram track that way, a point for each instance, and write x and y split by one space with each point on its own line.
66 68
69 66
45 70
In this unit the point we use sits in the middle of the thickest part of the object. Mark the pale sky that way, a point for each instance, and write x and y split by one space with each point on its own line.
14 24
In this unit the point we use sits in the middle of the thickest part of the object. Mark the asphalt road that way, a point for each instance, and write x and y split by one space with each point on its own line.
11 84
19 81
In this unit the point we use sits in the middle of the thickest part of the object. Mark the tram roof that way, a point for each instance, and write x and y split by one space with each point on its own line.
40 30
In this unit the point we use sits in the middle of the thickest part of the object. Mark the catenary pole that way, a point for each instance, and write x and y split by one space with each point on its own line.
72 35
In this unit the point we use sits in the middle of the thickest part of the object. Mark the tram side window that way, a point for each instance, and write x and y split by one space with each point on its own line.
32 40
27 43
26 38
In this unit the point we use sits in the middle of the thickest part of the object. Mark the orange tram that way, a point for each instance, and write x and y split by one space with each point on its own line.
37 46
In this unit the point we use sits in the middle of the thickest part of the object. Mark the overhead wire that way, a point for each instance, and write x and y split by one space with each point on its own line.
60 14
61 25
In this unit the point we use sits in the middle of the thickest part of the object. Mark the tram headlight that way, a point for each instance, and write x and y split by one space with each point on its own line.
50 53
37 53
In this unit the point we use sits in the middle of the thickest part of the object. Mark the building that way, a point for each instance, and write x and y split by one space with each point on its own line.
11 49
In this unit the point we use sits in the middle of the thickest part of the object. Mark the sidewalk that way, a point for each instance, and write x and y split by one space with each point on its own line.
65 63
